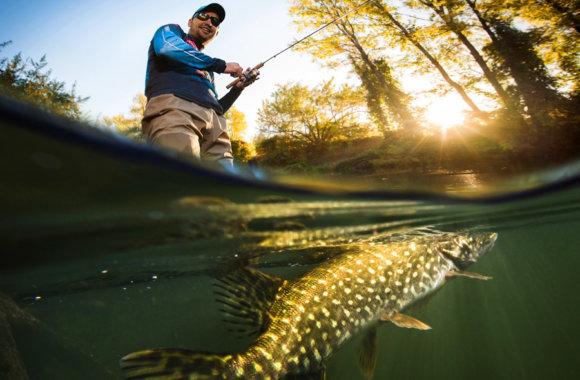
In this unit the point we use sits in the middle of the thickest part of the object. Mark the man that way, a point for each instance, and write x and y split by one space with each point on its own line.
183 110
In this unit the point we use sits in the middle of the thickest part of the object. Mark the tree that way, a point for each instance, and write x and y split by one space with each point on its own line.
314 117
130 126
515 53
567 12
376 102
451 14
28 80
237 124
389 20
515 59
556 27
243 150
351 41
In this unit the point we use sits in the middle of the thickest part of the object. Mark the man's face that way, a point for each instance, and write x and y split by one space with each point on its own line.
202 31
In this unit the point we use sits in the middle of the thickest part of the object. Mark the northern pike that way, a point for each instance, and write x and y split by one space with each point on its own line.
302 322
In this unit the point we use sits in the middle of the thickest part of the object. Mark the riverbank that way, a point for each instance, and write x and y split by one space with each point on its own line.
373 158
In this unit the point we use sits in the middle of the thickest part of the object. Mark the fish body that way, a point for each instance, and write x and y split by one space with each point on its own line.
306 319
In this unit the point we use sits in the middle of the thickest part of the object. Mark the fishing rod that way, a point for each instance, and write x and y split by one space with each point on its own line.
245 77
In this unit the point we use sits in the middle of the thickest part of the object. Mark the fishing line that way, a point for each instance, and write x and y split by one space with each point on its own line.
261 64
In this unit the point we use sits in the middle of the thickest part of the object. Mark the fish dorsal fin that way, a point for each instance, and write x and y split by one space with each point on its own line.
406 321
246 296
367 353
477 276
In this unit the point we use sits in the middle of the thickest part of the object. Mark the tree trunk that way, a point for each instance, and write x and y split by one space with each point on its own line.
396 104
373 98
460 90
487 72
535 85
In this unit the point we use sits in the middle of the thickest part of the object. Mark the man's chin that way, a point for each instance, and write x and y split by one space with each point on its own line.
206 39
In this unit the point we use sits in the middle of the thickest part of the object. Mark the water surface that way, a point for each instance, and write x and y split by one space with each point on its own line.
110 248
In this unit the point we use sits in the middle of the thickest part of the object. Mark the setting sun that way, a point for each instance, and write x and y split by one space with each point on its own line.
446 112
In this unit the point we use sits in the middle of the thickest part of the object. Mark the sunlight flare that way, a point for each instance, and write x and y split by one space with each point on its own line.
446 112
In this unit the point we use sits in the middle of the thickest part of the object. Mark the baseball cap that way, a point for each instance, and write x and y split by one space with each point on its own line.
214 7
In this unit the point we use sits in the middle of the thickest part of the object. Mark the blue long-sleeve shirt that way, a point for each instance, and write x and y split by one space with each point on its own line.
176 66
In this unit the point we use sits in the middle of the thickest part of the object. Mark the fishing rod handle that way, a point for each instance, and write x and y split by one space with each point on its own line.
258 66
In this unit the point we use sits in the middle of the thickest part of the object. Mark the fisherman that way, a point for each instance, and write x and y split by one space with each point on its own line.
183 110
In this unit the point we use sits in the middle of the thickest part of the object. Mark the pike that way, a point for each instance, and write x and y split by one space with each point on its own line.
245 77
302 322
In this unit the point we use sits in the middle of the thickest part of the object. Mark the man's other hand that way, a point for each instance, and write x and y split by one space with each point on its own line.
250 76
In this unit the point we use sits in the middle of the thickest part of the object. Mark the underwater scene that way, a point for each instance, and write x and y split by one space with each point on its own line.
119 261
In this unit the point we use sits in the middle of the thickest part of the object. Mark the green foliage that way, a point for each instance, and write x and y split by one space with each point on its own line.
28 80
557 26
242 150
449 151
361 165
237 124
377 99
514 63
351 41
314 117
279 151
130 126
514 52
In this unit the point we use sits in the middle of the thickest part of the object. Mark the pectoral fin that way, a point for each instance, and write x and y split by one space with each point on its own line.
246 295
476 276
406 321
367 353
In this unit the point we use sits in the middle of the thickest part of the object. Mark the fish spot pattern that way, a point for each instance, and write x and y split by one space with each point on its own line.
341 297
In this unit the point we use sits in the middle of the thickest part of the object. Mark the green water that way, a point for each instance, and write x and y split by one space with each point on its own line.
107 251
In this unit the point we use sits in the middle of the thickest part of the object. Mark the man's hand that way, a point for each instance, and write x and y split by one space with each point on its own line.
249 77
234 69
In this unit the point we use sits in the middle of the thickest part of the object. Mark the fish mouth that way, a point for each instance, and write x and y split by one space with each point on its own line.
460 264
466 250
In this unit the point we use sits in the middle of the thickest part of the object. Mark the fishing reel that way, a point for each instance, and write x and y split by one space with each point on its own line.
249 77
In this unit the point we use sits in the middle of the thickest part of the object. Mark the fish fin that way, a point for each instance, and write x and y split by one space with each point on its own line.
406 321
168 364
476 276
367 353
320 375
246 296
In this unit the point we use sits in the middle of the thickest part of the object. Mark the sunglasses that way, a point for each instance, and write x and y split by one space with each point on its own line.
204 17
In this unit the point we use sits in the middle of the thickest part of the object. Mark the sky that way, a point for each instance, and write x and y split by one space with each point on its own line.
102 46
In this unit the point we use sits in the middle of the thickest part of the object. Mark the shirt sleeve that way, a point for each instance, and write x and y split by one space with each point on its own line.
169 44
228 99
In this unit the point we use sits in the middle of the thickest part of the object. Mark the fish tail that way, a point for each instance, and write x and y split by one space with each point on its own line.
167 364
